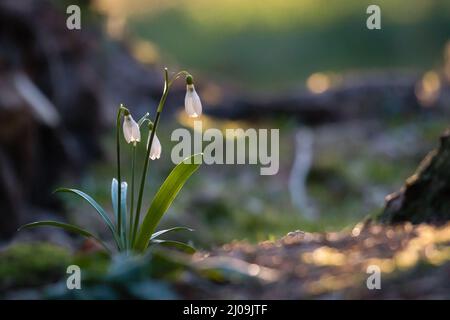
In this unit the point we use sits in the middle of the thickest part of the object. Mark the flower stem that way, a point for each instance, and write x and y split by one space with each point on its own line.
122 108
177 75
130 227
147 156
119 178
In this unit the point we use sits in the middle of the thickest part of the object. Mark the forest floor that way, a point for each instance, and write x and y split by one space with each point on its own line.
414 262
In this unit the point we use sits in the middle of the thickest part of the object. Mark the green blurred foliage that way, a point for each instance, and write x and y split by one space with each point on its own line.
125 277
274 44
31 265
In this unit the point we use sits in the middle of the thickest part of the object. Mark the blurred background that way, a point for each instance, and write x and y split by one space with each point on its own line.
357 109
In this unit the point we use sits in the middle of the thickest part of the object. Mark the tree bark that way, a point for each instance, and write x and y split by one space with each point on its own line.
59 91
425 197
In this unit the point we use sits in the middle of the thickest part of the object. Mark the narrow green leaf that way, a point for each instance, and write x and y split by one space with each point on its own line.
164 197
114 198
66 226
97 207
176 244
123 204
161 232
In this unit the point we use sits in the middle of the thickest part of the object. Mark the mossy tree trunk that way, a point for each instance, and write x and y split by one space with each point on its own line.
425 197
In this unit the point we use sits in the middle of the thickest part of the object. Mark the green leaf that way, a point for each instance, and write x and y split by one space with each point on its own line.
176 244
164 197
68 227
161 232
97 207
123 205
114 198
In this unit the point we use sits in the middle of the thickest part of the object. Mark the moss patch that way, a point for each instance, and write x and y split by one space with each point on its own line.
32 265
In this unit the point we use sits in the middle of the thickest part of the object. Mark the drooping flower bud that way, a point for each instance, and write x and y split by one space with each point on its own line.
131 130
192 102
155 151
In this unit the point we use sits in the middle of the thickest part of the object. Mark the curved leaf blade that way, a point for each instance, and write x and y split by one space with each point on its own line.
97 207
123 206
123 209
162 232
175 244
114 197
164 197
66 226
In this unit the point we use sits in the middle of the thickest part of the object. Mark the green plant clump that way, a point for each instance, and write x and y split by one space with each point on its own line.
130 235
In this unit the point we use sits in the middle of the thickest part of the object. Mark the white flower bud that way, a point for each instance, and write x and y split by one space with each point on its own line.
131 130
192 102
155 151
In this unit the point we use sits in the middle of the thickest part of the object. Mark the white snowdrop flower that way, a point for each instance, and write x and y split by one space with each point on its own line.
131 130
192 102
155 151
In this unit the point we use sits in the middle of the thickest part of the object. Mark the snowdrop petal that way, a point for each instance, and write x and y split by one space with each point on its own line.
155 151
192 102
131 130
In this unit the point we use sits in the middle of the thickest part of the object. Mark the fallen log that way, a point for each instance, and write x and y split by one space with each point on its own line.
368 96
